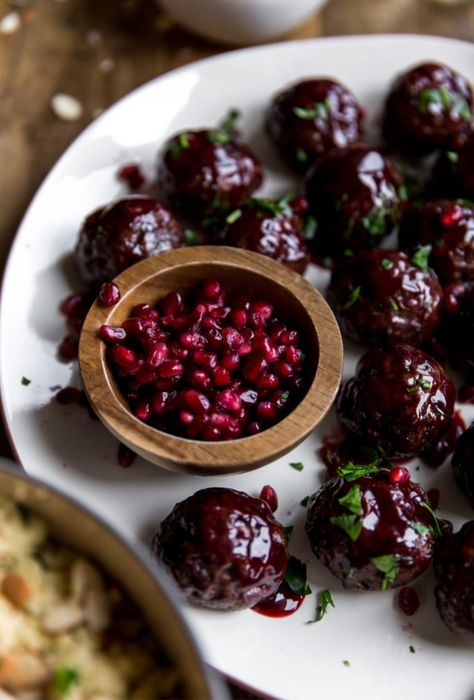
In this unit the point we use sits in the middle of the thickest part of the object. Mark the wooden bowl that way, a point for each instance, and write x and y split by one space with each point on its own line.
293 297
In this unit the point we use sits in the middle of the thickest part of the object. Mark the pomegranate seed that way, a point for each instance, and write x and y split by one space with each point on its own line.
452 297
109 294
68 348
268 381
247 334
170 368
159 401
69 395
171 304
408 600
132 175
193 341
254 427
210 290
399 475
145 311
299 205
156 355
245 349
230 361
221 376
289 337
282 369
122 356
71 304
211 433
186 417
215 338
112 334
228 400
195 401
196 427
142 410
125 456
135 327
206 360
232 339
292 355
176 323
256 320
238 317
262 308
152 336
200 380
269 495
267 411
253 368
452 215
144 376
207 323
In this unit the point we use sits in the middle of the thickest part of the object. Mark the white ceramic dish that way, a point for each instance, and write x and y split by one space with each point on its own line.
284 658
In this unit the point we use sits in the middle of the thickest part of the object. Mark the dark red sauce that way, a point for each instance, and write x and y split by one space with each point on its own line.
281 604
408 600
447 442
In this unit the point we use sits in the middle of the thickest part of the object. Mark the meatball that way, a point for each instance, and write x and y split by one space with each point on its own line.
400 399
380 297
428 107
453 173
355 196
448 227
206 174
457 331
271 228
224 548
463 463
454 571
120 234
309 119
371 532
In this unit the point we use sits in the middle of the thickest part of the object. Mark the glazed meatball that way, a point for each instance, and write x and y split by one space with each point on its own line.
116 236
453 173
271 228
354 195
311 118
454 571
224 548
208 173
457 331
428 107
463 463
448 227
373 532
400 399
380 297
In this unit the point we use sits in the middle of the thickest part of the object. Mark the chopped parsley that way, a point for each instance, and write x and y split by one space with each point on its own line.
25 381
190 236
351 471
444 97
393 304
301 155
351 524
321 110
181 145
420 257
420 383
403 193
274 208
299 466
389 565
374 222
355 294
386 264
295 576
324 601
412 649
346 663
436 528
230 120
420 528
222 137
64 679
233 216
352 501
310 227
304 501
452 156
348 253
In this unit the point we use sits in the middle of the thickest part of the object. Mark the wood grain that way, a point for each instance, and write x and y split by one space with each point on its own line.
294 299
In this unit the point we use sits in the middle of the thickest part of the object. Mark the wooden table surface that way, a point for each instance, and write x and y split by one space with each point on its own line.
99 50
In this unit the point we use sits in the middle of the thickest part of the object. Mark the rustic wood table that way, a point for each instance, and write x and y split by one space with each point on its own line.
99 50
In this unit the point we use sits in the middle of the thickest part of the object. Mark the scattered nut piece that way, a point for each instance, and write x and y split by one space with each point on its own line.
20 670
65 618
11 23
16 589
66 107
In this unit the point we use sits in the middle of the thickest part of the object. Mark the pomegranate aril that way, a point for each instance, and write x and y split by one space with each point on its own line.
245 349
171 304
122 356
221 376
399 475
452 215
256 319
280 397
170 368
267 411
230 361
69 395
268 381
125 456
269 495
68 348
238 318
231 338
292 355
109 294
299 205
207 323
186 417
211 433
72 304
210 290
145 311
282 369
206 360
253 368
247 334
215 338
135 327
142 410
112 334
151 336
156 355
193 341
228 400
159 401
177 351
452 294
200 380
167 384
262 308
195 401
176 323
289 337
254 427
196 427
144 376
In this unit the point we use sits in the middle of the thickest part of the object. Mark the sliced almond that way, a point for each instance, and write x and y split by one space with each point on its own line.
16 589
22 670
84 577
97 610
64 618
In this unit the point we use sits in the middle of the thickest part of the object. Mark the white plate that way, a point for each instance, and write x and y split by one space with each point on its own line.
281 657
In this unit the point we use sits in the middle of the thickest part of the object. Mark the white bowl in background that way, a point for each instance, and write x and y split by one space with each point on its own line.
240 21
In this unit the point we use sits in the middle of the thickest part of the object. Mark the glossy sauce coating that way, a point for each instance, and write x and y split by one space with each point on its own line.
400 399
453 173
463 463
447 226
354 195
457 333
392 522
206 174
281 604
122 233
454 570
380 297
428 107
312 117
224 548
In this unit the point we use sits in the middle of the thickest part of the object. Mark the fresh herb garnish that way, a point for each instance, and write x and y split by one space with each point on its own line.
348 253
233 216
352 500
389 565
25 381
420 383
351 471
351 524
324 601
310 227
446 98
64 679
230 120
295 576
436 528
412 649
374 222
299 466
190 236
304 501
320 110
452 156
386 264
274 208
421 256
216 136
181 145
355 294
393 304
403 193
346 663
420 528
301 155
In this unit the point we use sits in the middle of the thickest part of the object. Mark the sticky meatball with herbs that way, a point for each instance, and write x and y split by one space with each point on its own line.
453 173
122 233
381 296
463 463
273 228
428 107
454 572
355 195
399 399
447 227
312 117
457 330
224 548
206 174
373 532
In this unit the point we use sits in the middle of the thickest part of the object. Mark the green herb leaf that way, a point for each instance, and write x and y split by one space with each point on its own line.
181 145
420 528
190 236
351 471
346 663
351 524
25 381
230 120
352 500
355 294
452 156
274 208
310 227
446 98
393 304
374 222
412 649
324 601
436 528
233 216
64 679
348 253
299 466
217 136
320 110
295 576
386 264
301 155
307 590
304 501
421 256
389 565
